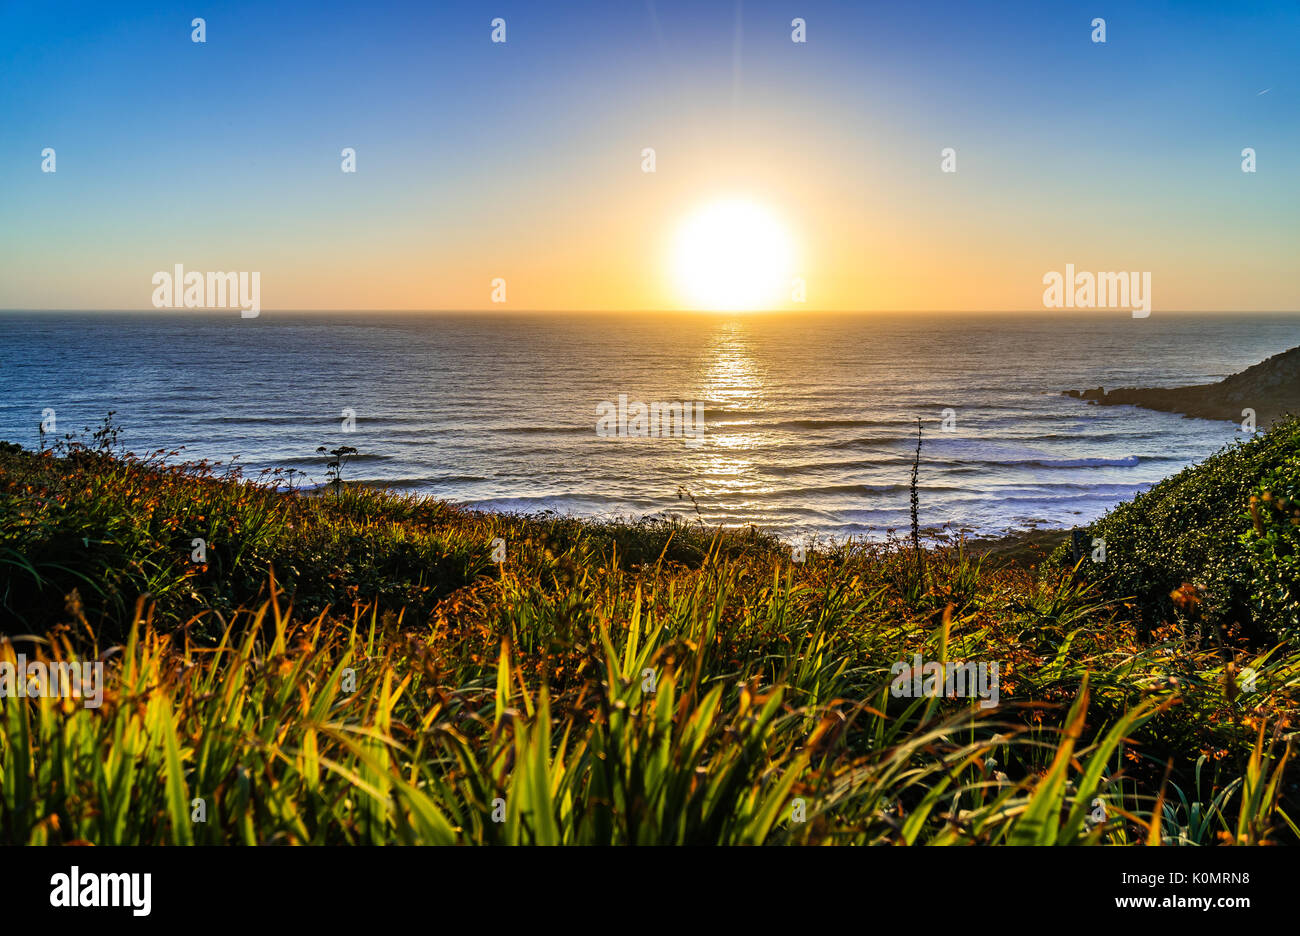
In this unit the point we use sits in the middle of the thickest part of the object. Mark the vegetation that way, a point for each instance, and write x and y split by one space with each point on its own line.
1228 529
357 668
1273 543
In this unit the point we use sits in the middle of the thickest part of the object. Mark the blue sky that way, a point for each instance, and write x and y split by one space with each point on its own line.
476 157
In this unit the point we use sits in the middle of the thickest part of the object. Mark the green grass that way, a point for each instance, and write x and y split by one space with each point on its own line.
357 669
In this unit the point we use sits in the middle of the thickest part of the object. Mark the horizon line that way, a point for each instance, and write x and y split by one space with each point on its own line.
653 311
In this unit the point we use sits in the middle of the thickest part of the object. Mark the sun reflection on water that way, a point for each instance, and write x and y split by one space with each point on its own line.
732 389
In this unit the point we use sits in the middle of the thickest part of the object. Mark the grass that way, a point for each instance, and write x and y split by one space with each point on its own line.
357 669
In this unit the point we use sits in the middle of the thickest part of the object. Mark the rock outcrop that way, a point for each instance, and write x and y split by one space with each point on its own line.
1271 388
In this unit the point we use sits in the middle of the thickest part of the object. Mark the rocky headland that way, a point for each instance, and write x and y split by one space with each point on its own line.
1271 388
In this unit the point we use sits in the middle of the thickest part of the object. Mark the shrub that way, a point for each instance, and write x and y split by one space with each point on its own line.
1273 546
1188 529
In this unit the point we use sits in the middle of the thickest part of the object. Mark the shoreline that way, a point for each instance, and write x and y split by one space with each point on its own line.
1021 547
1259 395
1015 544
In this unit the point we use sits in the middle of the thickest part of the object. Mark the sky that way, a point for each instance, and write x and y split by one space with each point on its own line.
523 160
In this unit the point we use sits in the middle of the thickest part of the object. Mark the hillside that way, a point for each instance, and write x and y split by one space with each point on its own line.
1216 545
362 667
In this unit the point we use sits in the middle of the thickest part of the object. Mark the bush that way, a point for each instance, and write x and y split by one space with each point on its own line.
1189 529
1273 545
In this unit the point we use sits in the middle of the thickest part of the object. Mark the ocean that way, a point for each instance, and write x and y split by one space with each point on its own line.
809 419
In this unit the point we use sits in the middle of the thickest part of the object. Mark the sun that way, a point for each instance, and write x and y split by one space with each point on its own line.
732 255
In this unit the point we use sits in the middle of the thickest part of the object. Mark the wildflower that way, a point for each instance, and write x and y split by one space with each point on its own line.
1186 597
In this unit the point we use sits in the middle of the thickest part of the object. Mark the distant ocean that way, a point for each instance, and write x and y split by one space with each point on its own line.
810 419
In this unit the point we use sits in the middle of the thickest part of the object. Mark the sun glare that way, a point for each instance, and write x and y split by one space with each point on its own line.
733 255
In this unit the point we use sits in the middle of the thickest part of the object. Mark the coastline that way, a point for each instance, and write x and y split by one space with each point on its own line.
1260 394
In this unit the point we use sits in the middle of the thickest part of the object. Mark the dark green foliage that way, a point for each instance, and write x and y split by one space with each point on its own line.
1273 546
1189 529
115 528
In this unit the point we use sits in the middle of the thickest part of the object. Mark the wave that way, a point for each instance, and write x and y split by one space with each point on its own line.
896 440
1049 491
549 430
405 484
821 424
1046 500
887 488
231 419
1127 461
321 458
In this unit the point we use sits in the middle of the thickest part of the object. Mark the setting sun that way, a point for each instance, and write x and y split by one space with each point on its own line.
732 255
